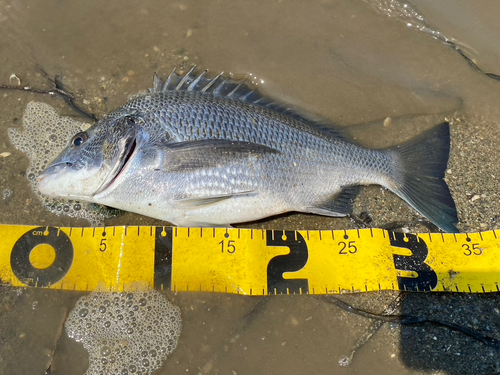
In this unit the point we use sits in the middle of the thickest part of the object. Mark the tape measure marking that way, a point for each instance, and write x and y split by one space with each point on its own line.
163 259
252 262
294 261
20 257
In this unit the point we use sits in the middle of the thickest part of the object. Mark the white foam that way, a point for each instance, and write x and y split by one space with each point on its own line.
125 333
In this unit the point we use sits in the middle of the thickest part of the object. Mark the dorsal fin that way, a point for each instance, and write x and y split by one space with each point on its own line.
235 90
220 85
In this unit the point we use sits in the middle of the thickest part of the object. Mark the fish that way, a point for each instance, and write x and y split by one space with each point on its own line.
198 151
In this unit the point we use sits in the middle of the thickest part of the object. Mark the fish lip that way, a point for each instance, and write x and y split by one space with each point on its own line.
55 168
124 159
46 176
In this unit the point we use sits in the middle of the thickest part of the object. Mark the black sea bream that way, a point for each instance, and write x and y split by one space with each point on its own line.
210 152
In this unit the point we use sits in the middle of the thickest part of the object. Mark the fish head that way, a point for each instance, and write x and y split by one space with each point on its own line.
91 160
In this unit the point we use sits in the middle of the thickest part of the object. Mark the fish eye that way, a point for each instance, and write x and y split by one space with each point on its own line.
79 139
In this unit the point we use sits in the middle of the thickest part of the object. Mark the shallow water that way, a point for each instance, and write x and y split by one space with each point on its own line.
342 60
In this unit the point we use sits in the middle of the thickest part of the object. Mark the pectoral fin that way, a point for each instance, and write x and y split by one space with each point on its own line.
210 153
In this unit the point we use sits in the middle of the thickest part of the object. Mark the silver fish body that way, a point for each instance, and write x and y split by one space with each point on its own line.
201 152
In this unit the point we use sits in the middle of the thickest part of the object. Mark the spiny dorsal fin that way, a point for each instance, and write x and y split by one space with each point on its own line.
220 85
235 90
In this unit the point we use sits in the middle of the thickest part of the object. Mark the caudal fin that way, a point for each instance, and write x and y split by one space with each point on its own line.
421 167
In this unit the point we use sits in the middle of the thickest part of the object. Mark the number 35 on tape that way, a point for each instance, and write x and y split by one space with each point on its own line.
250 262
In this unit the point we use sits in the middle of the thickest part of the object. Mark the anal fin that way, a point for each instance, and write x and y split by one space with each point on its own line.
340 205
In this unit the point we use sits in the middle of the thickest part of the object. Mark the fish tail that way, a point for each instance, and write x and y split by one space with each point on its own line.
419 176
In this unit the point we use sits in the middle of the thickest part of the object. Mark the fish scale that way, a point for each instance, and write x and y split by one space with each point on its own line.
196 151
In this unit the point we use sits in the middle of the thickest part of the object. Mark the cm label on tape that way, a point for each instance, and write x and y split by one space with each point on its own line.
245 261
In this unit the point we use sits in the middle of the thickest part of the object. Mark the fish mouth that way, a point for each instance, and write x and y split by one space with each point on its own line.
126 154
46 177
53 169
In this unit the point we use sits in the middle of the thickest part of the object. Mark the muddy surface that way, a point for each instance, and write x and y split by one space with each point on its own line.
354 62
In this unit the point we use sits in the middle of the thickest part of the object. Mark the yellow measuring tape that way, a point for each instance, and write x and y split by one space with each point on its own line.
248 261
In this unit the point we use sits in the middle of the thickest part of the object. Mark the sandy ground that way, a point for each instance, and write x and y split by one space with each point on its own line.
344 60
